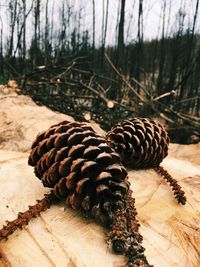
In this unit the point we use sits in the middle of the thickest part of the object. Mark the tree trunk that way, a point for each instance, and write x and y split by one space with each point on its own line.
162 55
46 40
140 40
1 47
13 15
102 33
93 30
36 32
24 32
183 90
121 47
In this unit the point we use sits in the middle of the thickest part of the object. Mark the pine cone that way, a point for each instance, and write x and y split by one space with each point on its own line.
141 142
81 168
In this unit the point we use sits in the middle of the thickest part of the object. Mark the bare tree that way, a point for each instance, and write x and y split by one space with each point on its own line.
80 25
93 25
24 26
175 50
13 17
46 34
117 23
64 38
63 32
106 23
121 46
52 23
162 53
187 70
1 47
21 36
104 28
102 33
140 39
36 49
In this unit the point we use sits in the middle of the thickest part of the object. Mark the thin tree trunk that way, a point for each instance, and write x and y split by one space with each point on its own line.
121 46
183 91
46 40
93 24
52 24
105 32
13 21
24 32
36 32
1 47
140 40
106 23
117 23
162 55
102 33
176 52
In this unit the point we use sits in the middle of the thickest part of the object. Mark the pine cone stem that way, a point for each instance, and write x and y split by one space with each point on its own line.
124 236
176 188
23 218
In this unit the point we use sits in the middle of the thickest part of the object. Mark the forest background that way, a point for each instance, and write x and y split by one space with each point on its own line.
107 60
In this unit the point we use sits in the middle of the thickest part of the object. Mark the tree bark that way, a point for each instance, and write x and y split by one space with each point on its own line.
140 40
46 41
93 28
1 47
183 90
121 46
36 31
162 55
13 16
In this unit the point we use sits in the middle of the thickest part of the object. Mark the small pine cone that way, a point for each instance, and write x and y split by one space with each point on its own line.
140 142
81 168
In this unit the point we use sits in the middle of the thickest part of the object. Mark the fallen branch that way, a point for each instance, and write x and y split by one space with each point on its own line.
123 78
100 95
60 75
187 100
173 92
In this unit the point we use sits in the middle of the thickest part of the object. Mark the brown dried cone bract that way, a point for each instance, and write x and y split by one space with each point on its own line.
143 143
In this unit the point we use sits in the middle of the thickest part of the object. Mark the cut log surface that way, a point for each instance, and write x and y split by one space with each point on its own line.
21 119
61 237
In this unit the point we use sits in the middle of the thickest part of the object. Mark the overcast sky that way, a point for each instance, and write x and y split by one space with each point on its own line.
152 16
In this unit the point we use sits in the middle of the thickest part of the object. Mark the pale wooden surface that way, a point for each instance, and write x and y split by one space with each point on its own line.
59 237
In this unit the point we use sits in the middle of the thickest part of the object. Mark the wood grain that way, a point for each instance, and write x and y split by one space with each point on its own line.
61 237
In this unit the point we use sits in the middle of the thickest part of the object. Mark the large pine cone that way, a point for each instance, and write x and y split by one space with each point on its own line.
81 168
140 142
